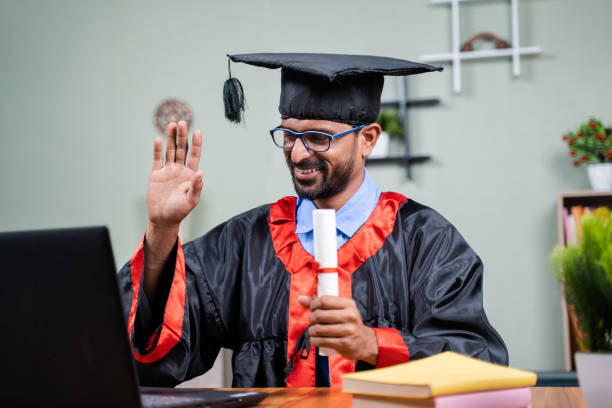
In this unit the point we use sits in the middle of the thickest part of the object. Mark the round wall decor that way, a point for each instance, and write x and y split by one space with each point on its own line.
171 110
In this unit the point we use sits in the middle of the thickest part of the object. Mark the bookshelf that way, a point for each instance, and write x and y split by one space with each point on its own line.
568 199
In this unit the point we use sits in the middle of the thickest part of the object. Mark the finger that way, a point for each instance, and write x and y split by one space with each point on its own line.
337 343
171 142
330 302
196 150
331 316
304 301
158 159
331 330
196 186
182 142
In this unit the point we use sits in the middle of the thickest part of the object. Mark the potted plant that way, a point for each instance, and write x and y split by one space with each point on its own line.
391 125
585 272
591 144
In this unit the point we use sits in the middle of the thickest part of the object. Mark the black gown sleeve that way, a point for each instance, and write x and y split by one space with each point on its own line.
179 337
446 292
150 316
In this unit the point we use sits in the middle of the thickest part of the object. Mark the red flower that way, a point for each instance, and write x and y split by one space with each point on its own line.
597 135
592 125
564 137
608 154
575 163
571 141
579 135
572 153
584 158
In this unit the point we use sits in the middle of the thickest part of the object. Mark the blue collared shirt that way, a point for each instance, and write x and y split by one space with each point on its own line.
349 218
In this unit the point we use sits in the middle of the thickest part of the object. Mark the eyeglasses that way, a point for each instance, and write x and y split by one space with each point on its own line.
312 139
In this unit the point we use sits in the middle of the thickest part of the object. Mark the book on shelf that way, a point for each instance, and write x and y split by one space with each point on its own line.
572 222
443 374
508 398
577 211
570 227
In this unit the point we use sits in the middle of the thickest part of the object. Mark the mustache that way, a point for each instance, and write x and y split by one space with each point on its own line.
306 164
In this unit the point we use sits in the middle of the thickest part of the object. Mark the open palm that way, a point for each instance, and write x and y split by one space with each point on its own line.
174 187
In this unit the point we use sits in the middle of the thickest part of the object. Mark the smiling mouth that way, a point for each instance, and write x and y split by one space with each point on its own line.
307 171
306 176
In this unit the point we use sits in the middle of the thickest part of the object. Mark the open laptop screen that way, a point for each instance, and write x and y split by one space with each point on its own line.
64 339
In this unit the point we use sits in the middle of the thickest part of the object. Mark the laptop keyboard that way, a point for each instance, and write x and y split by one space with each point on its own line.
155 401
152 397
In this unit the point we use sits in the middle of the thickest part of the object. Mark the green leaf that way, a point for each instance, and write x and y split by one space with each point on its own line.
390 122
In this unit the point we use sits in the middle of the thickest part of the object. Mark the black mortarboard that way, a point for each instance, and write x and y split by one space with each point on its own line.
336 87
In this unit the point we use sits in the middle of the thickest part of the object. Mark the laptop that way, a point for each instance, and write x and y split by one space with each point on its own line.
63 337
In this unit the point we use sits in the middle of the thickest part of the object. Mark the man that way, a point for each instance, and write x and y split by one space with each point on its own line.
409 285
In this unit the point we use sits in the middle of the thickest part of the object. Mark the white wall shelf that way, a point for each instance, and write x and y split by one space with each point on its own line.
460 1
456 56
481 54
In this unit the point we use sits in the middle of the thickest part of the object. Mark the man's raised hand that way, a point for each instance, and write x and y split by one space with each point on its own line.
174 190
174 187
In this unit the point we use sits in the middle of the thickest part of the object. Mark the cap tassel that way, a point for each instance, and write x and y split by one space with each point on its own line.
233 97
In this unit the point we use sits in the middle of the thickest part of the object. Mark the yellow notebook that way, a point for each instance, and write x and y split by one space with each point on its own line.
443 374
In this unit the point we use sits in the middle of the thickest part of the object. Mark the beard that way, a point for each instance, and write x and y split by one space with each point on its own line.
334 180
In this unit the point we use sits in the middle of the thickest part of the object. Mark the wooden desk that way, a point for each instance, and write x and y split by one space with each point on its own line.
541 397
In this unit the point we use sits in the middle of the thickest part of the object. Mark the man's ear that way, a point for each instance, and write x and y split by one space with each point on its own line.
369 135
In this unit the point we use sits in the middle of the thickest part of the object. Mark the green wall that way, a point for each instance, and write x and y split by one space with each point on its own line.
79 82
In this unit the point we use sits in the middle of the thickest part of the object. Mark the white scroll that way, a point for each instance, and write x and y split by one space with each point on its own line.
326 254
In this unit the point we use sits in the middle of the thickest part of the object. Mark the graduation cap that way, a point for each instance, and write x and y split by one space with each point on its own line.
336 87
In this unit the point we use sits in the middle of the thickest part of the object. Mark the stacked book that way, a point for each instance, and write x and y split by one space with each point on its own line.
446 380
572 220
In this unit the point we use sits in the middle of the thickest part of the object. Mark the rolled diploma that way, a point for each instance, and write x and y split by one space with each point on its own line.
326 254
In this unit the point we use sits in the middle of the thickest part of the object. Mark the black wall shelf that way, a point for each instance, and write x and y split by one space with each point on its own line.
399 159
411 102
402 105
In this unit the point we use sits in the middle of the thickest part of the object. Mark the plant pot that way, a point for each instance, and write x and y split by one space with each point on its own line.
381 148
594 373
600 176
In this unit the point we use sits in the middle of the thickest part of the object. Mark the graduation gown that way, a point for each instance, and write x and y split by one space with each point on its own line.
413 277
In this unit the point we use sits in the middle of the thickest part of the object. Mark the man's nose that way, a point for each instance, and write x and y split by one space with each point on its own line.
299 151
